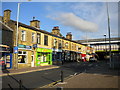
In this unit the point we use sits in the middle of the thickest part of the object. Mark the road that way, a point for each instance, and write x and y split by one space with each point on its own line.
41 78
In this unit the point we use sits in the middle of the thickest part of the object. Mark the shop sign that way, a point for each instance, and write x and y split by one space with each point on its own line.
35 46
24 46
15 49
44 50
21 46
28 47
59 50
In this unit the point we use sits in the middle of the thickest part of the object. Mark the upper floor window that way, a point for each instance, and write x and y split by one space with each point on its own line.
38 38
60 44
23 36
66 44
45 40
55 42
33 37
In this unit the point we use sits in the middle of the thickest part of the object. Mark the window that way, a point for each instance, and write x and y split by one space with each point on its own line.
23 38
33 37
55 42
45 40
38 38
66 45
22 57
60 44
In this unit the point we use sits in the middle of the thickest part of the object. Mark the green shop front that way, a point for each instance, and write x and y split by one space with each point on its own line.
43 57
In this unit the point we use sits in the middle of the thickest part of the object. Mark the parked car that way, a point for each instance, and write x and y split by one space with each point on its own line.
92 59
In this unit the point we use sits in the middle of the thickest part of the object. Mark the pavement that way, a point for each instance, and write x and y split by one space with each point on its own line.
25 70
100 76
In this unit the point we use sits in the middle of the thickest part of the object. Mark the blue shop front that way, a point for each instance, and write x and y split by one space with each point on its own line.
5 57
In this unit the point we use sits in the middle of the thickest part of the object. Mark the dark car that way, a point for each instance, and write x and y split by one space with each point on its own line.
93 59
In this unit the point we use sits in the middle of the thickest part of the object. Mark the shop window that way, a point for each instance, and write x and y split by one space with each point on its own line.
43 58
33 37
23 38
22 57
45 40
38 38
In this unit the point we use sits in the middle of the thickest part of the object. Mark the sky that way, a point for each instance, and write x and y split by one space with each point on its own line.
85 20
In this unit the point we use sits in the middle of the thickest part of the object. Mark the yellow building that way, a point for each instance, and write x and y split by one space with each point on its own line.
38 47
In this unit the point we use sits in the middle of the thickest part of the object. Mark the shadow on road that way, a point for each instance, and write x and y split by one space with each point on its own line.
48 79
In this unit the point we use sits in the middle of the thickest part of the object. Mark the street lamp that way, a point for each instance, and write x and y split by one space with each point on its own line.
109 33
105 42
17 27
16 43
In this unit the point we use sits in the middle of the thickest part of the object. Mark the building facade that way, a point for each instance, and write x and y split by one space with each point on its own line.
6 45
35 47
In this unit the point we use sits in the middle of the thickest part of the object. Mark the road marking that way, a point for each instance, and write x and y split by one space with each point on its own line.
90 65
28 71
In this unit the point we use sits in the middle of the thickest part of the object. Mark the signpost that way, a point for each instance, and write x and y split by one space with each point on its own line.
15 49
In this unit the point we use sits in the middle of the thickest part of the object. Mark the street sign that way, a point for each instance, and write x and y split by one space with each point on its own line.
15 49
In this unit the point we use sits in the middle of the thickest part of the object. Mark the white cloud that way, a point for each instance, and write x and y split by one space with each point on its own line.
77 23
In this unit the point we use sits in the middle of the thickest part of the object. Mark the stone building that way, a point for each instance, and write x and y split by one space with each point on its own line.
35 47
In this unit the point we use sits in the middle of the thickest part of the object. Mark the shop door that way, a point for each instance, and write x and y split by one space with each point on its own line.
32 61
8 60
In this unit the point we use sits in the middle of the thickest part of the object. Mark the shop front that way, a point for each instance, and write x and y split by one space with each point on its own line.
5 57
79 57
66 56
57 56
43 57
73 56
25 53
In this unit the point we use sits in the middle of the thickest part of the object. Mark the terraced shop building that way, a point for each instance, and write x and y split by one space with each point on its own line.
38 47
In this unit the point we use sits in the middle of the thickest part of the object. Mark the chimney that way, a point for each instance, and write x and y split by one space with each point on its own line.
6 17
56 30
35 23
69 36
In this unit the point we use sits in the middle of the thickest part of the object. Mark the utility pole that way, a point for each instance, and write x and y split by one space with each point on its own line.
105 43
109 34
16 43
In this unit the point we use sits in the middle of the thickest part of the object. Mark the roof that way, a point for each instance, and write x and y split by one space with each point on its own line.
5 27
43 31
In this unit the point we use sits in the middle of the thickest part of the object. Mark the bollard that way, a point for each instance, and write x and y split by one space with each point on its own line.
62 78
20 85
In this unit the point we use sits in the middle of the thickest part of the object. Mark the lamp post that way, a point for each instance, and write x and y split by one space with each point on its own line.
16 43
105 42
17 27
109 34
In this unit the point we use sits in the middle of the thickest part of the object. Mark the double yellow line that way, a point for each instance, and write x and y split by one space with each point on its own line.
28 71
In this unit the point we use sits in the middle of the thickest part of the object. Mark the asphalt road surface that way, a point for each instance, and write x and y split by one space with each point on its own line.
40 78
